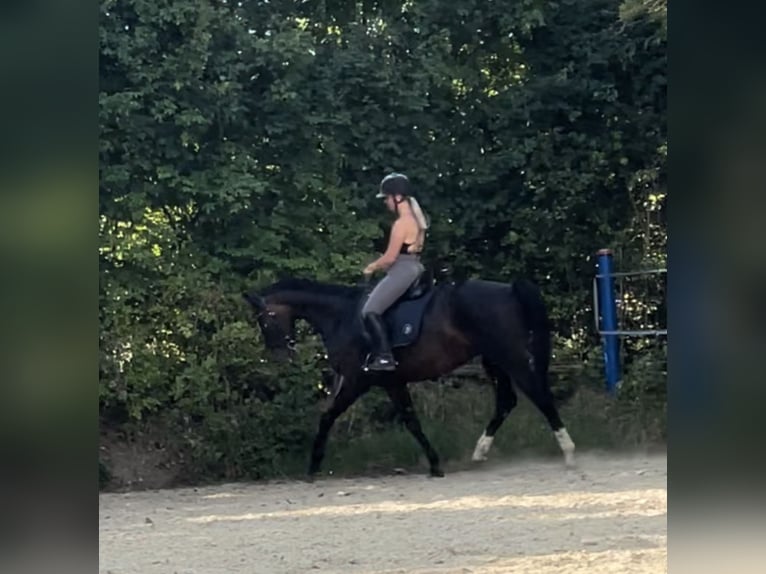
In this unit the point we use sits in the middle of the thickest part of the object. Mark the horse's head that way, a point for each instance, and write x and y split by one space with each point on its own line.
277 324
325 307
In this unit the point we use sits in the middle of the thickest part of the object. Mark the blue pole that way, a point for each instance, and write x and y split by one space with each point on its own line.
608 316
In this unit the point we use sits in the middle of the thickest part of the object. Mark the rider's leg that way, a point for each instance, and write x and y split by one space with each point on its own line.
383 358
397 280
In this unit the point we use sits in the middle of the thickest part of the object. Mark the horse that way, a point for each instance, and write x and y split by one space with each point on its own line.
434 329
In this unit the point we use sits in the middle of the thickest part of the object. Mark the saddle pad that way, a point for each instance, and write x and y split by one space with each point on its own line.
405 318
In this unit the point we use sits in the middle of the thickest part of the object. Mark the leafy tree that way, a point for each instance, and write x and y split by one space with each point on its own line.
241 141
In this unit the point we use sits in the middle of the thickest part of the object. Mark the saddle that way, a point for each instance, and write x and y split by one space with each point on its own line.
405 317
419 287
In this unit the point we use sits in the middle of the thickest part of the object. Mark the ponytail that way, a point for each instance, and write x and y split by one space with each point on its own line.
421 217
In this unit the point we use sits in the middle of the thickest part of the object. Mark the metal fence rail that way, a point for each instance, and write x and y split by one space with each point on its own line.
605 304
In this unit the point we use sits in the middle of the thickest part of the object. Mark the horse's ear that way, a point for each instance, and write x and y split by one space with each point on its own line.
255 300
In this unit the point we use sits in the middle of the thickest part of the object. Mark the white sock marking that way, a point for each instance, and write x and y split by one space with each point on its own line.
482 447
566 444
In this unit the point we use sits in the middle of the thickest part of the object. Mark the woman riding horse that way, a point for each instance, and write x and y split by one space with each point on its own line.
505 324
401 261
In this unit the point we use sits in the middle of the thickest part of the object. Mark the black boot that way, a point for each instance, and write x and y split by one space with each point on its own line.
383 359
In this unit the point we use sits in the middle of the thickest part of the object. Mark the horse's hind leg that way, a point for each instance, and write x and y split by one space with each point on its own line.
534 386
402 400
505 400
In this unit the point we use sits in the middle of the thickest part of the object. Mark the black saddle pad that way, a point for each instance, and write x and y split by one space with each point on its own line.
405 318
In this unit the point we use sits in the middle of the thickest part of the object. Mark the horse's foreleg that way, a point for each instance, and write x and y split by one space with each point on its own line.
402 400
344 395
505 401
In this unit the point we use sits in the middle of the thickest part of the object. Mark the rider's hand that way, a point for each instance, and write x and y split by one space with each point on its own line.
369 270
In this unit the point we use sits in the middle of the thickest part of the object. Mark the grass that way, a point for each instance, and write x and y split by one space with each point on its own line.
453 421
366 440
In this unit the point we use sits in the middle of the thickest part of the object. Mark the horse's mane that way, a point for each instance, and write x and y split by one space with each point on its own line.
313 287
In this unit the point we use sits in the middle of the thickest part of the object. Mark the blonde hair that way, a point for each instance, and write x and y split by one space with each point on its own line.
421 217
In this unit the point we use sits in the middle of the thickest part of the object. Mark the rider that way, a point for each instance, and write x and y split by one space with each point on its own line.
401 261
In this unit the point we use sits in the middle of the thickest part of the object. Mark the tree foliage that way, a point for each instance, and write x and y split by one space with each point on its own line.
241 141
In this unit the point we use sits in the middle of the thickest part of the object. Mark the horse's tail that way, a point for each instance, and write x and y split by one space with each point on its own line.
535 315
536 320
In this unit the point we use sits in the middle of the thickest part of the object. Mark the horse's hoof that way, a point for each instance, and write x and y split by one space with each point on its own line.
436 473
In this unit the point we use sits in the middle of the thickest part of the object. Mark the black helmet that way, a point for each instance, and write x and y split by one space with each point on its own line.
394 184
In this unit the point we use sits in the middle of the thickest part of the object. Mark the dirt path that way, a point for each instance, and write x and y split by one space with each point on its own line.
609 515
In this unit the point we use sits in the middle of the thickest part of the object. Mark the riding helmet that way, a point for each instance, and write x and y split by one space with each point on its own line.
393 184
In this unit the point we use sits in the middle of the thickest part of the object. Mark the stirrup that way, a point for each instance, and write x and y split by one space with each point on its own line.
378 363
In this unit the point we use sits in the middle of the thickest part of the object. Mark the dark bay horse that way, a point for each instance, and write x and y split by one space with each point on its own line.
506 325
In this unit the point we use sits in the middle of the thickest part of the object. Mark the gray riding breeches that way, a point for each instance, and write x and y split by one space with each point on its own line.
399 277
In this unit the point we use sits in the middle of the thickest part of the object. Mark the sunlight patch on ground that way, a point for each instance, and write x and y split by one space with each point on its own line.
631 502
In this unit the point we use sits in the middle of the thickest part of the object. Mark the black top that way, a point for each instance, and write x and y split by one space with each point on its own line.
404 247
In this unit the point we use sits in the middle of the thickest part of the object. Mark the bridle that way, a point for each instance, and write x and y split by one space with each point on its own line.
290 342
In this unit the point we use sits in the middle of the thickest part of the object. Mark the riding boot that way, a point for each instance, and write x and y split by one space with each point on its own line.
383 359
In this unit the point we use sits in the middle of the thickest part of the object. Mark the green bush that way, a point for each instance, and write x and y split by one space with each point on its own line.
240 142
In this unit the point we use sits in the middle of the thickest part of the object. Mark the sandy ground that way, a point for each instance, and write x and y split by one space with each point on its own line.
609 515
